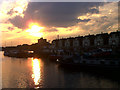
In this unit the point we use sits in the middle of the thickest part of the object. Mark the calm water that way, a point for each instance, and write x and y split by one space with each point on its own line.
41 73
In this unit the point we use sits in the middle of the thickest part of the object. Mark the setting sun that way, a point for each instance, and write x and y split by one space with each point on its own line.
35 30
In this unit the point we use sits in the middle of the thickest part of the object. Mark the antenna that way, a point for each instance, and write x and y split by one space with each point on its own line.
57 36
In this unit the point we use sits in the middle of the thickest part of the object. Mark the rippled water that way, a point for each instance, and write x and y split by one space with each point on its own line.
41 73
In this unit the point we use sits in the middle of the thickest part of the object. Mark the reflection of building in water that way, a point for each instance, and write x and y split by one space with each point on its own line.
36 71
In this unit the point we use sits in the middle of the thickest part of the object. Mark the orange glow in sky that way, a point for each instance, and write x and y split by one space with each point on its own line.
35 30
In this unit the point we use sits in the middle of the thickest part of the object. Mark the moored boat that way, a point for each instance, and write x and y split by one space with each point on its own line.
79 61
18 53
54 57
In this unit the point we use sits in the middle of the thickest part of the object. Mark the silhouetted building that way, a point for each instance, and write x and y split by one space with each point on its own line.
76 43
101 39
114 38
41 40
89 41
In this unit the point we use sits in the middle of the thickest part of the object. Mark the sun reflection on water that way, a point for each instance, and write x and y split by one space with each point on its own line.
36 72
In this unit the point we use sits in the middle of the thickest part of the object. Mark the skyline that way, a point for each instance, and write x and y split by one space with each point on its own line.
25 22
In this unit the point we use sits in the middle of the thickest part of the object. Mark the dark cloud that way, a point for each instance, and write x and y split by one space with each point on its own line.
10 12
21 22
85 20
51 30
94 11
10 28
62 14
18 22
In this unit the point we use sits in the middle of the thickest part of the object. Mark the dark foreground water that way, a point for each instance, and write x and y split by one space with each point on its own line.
41 73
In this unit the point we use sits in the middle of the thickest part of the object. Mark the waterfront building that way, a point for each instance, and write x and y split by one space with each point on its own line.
42 44
88 41
92 38
63 42
54 46
67 43
41 40
71 42
80 38
76 43
55 43
105 37
60 45
98 40
101 39
114 38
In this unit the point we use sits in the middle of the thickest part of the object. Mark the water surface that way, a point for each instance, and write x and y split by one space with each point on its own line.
42 73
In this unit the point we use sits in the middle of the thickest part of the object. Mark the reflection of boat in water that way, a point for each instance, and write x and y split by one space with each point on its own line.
79 61
99 53
54 57
18 53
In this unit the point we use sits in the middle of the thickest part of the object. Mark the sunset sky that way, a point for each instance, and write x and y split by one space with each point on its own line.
23 22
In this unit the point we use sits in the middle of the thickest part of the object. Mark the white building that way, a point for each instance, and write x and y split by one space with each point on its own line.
53 44
67 43
60 45
98 40
76 43
114 39
86 41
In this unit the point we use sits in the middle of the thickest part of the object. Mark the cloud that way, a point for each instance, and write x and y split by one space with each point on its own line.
18 21
54 14
11 9
85 20
104 21
10 28
92 23
53 29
